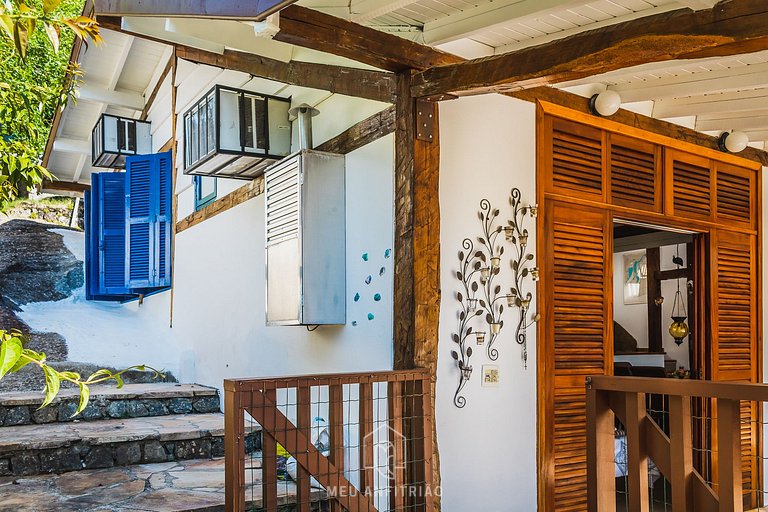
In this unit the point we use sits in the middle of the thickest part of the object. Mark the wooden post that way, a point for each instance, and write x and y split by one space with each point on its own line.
367 483
637 457
427 431
601 482
681 456
269 461
653 262
417 242
729 455
396 437
404 310
336 433
234 449
304 425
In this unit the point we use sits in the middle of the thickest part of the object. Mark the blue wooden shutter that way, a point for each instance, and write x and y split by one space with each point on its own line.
111 233
148 221
91 239
164 219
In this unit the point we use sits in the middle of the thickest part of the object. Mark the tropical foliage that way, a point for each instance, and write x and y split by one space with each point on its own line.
14 357
36 38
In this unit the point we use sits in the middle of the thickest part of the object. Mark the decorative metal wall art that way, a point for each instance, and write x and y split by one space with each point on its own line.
480 295
522 269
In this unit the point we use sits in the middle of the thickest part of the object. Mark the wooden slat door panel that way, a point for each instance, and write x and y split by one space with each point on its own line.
689 185
734 354
575 159
634 173
736 196
578 307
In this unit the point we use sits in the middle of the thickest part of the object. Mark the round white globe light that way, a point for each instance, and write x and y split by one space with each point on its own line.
606 103
736 142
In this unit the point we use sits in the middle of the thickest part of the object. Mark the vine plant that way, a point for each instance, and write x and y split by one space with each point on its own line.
14 357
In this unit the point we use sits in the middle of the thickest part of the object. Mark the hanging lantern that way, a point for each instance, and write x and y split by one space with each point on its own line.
679 330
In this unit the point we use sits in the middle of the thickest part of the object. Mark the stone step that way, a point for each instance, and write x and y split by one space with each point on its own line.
108 402
187 486
60 447
30 378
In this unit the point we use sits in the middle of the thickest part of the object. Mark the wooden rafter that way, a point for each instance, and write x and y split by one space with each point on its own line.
361 83
222 9
731 27
363 133
326 33
65 186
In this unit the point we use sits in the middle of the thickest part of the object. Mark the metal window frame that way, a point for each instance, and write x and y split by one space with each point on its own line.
216 91
203 201
102 141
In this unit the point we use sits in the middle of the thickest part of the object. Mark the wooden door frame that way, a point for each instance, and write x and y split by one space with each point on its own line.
548 199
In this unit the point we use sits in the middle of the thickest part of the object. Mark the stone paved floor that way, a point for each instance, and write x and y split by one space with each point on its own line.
196 485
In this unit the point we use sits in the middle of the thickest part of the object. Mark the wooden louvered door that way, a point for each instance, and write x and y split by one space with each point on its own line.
734 351
575 160
634 173
578 304
690 193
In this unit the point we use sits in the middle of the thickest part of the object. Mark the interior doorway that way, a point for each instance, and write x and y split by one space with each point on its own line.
657 290
654 301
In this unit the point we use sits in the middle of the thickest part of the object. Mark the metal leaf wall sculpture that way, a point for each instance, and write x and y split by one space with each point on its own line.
481 296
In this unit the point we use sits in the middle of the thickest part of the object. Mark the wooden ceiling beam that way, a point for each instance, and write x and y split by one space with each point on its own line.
361 83
319 31
731 27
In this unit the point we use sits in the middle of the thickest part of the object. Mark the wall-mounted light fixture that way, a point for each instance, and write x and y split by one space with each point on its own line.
605 104
733 141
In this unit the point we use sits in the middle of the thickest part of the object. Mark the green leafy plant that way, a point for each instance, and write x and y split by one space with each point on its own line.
36 79
19 18
14 357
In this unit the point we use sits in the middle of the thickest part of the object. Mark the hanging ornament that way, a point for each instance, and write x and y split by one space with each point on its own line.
679 329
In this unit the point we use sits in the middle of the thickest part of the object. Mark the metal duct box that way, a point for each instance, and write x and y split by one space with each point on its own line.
114 138
305 240
231 133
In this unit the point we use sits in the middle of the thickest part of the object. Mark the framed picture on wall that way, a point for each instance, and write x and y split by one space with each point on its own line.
635 278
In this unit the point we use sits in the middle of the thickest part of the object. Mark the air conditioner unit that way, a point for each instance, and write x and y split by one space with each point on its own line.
232 133
305 240
114 138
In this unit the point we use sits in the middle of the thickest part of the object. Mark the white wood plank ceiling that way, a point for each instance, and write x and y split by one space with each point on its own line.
710 95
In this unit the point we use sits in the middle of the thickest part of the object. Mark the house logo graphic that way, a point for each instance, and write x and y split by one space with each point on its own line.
386 442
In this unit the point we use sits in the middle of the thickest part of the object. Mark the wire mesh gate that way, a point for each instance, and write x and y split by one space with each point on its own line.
356 442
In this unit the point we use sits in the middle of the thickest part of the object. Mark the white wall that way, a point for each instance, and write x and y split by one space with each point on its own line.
219 289
218 307
487 148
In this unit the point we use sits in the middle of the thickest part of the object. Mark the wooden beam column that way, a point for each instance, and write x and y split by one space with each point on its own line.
417 241
404 307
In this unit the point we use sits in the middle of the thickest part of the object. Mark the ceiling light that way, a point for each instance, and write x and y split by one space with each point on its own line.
733 142
605 104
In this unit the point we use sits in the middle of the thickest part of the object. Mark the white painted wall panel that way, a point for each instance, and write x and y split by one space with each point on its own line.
488 147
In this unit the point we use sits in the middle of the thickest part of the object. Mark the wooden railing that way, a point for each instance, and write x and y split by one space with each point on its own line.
368 448
624 398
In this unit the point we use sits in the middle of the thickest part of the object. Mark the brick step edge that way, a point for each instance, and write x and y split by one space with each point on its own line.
106 407
80 455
